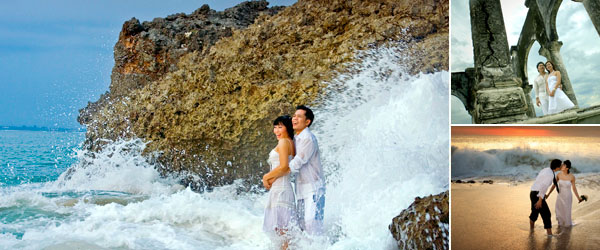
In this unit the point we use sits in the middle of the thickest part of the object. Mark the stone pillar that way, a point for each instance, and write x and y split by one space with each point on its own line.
526 87
551 50
593 9
530 108
499 97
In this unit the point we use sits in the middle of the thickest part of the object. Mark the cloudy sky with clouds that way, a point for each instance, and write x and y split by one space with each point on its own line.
55 56
580 50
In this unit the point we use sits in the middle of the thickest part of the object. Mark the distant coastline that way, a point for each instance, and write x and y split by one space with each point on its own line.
36 128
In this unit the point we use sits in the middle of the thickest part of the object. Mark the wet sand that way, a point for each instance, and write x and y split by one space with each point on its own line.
495 216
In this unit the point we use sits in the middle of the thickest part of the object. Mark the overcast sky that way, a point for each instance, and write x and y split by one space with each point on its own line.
580 50
55 56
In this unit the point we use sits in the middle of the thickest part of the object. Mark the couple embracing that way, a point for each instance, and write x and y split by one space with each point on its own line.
563 182
548 90
297 152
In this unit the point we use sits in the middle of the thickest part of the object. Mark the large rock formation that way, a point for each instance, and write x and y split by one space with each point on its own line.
424 224
208 109
145 52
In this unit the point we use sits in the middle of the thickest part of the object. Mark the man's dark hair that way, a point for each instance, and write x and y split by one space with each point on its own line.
555 164
538 64
309 114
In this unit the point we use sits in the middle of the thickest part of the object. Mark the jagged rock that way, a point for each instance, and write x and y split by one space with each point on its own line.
145 52
208 110
424 224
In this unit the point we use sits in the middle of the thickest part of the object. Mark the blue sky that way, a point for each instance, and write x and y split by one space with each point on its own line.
580 50
55 56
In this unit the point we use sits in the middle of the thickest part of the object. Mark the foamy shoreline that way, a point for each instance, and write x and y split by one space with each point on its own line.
582 179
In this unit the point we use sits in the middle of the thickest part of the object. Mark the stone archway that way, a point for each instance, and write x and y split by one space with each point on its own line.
496 89
540 26
490 91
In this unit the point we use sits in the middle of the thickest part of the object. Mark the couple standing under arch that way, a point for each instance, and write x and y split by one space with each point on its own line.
548 90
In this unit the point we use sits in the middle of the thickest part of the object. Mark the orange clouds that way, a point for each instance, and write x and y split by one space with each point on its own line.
505 131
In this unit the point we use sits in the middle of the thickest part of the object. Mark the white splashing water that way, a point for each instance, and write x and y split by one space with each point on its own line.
384 140
518 163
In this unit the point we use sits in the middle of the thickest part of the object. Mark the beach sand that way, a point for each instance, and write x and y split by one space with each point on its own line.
495 216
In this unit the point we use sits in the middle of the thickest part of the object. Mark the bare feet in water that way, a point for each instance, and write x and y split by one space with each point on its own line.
532 224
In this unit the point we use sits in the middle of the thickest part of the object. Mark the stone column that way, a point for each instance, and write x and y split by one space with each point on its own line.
593 9
499 97
551 50
526 87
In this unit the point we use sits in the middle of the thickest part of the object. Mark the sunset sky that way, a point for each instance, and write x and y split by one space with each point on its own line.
586 131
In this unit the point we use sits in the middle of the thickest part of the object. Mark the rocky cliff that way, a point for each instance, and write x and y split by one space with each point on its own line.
424 224
147 51
203 88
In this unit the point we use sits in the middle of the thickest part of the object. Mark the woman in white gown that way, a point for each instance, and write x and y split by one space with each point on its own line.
280 209
557 99
566 182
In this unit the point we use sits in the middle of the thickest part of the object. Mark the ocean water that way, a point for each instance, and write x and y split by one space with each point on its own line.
35 156
521 157
383 137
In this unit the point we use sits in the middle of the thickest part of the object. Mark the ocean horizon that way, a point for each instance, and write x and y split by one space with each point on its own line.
42 128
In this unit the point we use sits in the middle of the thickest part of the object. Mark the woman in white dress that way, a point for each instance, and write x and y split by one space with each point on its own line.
280 210
566 182
539 85
557 100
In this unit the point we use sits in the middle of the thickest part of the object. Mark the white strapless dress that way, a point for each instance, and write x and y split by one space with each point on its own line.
564 201
560 101
281 206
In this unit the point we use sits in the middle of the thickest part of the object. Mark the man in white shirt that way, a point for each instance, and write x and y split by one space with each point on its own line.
538 195
310 181
539 85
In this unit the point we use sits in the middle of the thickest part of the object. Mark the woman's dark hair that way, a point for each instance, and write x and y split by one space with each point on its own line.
553 67
309 114
286 121
538 64
568 164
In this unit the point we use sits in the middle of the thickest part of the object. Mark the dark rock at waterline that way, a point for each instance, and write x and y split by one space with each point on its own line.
452 149
472 181
424 224
203 88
